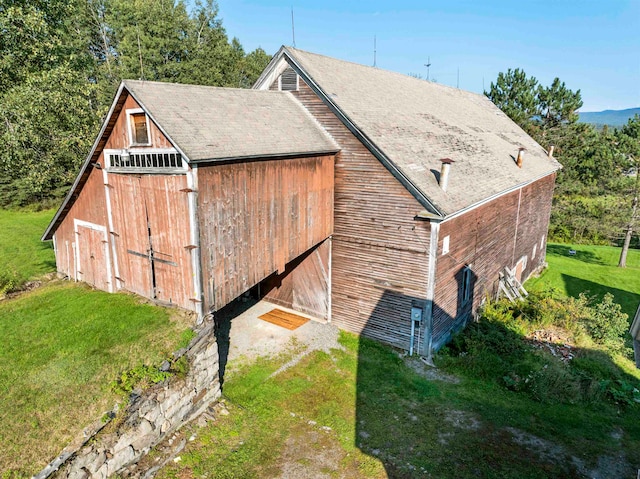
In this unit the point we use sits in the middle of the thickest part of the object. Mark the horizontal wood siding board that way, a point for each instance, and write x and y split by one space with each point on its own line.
380 253
256 217
488 238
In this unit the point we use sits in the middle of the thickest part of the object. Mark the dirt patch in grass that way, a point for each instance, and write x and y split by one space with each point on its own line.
429 372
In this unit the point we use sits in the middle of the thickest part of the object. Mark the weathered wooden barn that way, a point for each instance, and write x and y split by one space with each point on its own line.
385 204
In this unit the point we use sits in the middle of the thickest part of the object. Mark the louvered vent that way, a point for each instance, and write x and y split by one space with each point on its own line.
289 80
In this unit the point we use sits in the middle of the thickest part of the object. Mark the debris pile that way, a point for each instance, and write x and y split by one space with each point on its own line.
553 341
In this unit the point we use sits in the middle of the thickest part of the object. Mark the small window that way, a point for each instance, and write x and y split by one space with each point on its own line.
445 245
140 135
138 127
466 285
542 243
533 255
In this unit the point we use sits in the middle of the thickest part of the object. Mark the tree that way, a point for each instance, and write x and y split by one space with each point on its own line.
62 60
558 104
515 94
630 142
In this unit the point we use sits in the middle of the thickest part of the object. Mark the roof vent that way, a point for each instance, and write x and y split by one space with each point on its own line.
444 173
289 80
520 157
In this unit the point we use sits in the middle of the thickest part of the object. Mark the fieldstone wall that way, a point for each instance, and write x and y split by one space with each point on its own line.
148 418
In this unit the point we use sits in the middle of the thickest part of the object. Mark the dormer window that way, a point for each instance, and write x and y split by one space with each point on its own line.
138 128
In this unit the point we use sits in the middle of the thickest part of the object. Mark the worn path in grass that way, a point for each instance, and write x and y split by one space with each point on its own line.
363 411
592 270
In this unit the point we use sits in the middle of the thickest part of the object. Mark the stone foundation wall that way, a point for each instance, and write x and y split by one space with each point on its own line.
148 418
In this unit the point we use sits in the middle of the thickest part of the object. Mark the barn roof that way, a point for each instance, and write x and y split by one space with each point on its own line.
411 124
212 123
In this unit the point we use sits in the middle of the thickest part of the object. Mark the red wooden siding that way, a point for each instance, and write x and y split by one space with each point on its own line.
304 285
119 137
487 239
138 204
91 208
380 253
255 217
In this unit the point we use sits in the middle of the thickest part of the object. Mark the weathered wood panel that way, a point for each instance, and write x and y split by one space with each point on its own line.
380 252
486 239
119 137
151 210
93 256
304 285
255 217
89 207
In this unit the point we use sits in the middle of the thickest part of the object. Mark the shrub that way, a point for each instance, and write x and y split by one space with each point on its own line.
496 348
10 280
606 323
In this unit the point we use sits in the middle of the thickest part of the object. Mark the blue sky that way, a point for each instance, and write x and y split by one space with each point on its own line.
591 45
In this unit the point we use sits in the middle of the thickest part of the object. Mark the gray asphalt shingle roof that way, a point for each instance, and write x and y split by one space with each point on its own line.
416 123
209 123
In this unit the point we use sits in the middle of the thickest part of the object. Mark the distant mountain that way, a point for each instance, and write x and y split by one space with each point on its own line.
614 118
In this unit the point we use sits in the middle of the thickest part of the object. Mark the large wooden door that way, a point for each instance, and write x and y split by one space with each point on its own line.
151 218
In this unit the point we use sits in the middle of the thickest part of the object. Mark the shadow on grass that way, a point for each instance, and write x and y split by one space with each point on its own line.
581 255
418 426
628 300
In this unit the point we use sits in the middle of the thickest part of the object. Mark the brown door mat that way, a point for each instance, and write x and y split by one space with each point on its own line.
282 318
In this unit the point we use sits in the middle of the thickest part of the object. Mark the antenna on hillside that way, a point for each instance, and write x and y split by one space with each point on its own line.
428 64
293 29
374 51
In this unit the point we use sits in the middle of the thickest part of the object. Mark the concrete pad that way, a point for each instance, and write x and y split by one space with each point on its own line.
243 337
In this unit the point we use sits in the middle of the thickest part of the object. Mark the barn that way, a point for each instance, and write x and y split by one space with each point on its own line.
382 203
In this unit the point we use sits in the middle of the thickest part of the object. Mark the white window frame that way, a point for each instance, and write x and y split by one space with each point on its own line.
166 171
445 245
135 111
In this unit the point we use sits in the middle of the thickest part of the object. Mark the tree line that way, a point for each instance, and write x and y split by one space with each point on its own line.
62 60
595 200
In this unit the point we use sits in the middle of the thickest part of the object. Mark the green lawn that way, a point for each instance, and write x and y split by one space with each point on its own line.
62 344
593 269
20 247
362 412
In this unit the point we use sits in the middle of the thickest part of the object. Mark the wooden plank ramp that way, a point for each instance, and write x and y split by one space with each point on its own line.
284 319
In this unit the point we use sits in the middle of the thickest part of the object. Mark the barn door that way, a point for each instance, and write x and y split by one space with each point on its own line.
93 255
149 214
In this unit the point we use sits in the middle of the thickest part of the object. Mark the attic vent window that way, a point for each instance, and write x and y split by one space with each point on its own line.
155 161
138 128
289 80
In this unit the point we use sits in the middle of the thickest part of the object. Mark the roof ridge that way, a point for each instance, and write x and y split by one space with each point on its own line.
384 70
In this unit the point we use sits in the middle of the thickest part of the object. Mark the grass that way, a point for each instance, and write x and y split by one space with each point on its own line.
593 269
362 412
20 247
62 344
